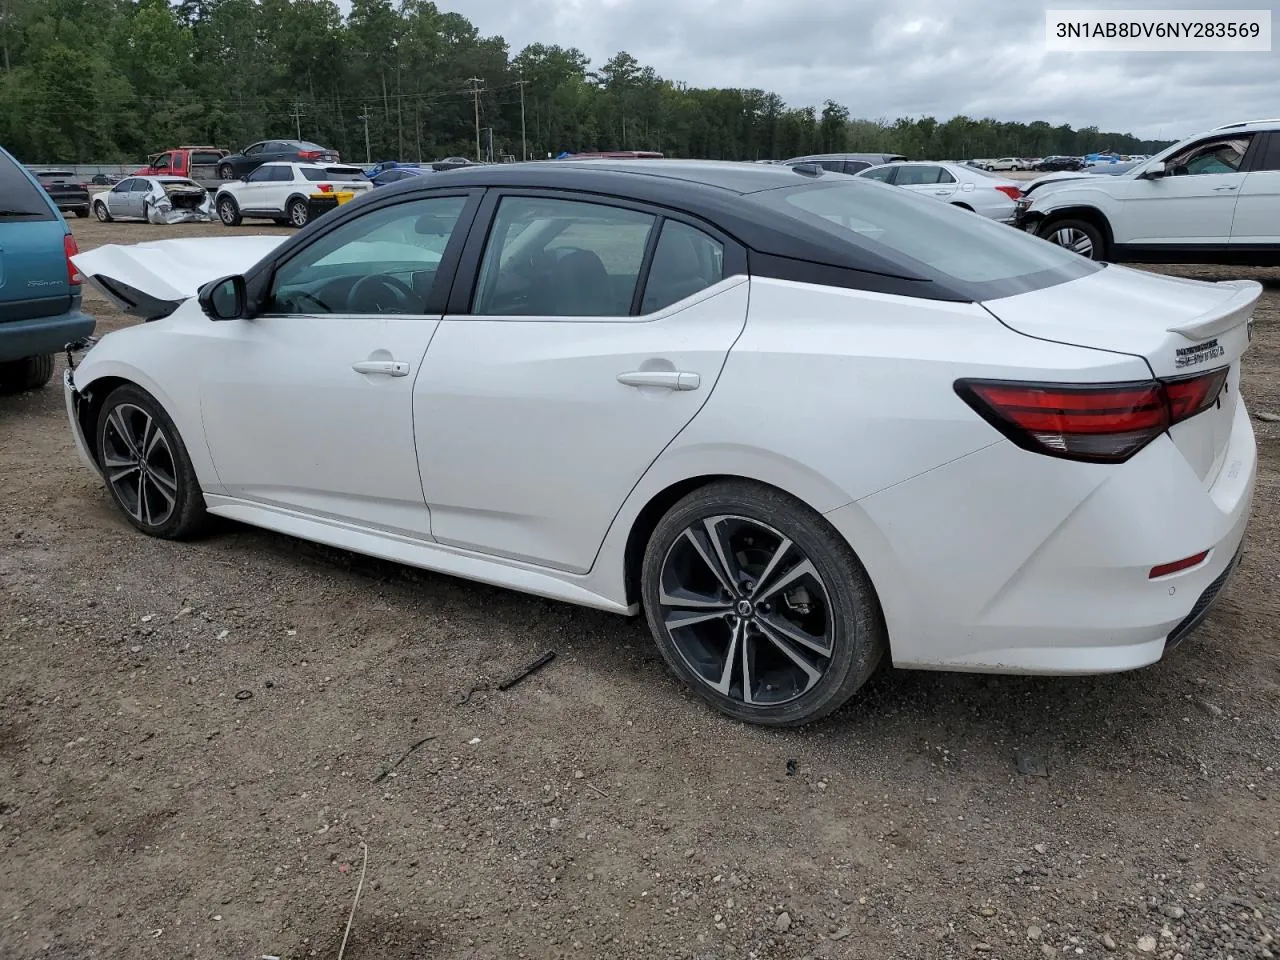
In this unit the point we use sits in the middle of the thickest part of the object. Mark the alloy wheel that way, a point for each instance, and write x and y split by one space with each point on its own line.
747 611
140 465
298 213
1074 240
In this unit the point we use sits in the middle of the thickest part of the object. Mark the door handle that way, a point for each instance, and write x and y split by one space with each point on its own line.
941 193
1224 188
388 368
670 379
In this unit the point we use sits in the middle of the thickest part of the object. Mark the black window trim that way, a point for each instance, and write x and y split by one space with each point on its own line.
462 295
260 277
1263 144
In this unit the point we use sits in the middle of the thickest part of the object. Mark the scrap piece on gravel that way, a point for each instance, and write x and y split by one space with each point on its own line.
792 767
1266 416
403 757
1030 764
533 667
473 689
244 694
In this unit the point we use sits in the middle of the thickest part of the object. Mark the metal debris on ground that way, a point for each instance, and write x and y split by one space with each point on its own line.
1266 416
403 757
1030 764
244 694
792 767
533 667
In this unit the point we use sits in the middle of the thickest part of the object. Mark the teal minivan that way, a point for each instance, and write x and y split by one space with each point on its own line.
39 286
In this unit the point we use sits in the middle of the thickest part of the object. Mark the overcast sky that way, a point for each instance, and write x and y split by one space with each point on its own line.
891 58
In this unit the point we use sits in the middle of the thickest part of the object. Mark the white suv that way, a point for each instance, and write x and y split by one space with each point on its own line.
281 191
1213 198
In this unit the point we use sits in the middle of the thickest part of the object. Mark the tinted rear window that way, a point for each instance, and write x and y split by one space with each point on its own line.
20 199
333 173
205 156
978 257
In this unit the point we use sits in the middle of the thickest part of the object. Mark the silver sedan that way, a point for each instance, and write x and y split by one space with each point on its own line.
982 192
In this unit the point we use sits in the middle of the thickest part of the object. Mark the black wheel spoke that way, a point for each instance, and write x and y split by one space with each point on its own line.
781 642
769 591
139 465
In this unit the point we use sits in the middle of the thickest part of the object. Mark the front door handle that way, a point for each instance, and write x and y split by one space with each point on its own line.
670 379
388 368
1224 188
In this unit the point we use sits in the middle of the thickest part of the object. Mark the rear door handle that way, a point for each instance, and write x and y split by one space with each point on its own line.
1224 188
387 368
670 379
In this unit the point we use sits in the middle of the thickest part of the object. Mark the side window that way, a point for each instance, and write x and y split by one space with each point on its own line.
1221 155
253 151
162 162
561 258
123 186
281 174
883 174
275 146
853 166
1271 158
685 261
382 262
916 176
261 175
944 176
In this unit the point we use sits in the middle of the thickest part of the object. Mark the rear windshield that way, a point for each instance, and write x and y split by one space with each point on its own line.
333 173
968 253
20 199
206 156
308 145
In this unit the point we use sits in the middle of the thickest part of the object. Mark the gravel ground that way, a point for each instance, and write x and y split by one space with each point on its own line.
191 737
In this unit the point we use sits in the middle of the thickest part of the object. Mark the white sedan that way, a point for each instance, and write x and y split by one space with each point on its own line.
800 420
959 184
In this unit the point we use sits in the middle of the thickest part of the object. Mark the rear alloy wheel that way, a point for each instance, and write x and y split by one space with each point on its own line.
298 212
29 373
759 605
101 212
1078 236
146 466
226 173
229 211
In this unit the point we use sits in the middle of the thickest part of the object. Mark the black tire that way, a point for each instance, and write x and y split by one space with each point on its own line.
173 506
298 211
226 172
82 212
29 373
229 211
752 517
1092 245
101 212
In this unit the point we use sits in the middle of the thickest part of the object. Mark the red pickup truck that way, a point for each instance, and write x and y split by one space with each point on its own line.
196 163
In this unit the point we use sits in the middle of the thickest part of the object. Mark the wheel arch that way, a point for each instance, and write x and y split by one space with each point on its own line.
961 204
1086 212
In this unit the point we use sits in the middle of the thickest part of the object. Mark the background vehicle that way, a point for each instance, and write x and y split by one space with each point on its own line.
279 191
1212 198
195 163
1035 418
237 165
954 183
39 286
395 175
1004 163
845 162
1050 164
65 189
154 199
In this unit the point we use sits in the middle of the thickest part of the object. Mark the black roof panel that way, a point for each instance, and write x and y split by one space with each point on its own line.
569 174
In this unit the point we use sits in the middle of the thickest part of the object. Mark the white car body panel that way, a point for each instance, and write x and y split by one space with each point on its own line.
173 270
511 454
1257 211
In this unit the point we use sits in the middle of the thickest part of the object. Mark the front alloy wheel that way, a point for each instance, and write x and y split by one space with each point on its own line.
1076 236
760 605
146 466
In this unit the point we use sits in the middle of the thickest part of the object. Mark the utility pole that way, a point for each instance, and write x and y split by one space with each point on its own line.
297 118
475 90
524 143
364 116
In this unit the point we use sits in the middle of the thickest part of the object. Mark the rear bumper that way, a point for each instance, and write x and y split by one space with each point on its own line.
1042 566
41 335
72 397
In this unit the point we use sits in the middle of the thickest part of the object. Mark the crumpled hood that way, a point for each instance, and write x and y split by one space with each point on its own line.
170 271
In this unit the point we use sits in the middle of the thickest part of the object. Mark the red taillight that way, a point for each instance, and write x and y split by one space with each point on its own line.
1013 193
1096 423
326 188
70 249
310 154
1186 563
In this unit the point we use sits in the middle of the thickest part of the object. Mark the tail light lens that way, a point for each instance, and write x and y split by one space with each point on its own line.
310 154
1094 423
70 249
1013 193
326 188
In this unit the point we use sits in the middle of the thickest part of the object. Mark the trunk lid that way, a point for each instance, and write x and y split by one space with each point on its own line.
146 278
1181 328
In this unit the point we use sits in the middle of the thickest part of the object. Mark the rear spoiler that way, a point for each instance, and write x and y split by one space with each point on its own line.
1219 320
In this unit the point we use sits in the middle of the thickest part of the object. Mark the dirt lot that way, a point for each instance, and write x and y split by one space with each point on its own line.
190 736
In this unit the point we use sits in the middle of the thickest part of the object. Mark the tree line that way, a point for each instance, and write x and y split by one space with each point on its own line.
89 81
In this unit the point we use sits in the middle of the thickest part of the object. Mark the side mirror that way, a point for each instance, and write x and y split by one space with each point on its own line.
224 299
1155 171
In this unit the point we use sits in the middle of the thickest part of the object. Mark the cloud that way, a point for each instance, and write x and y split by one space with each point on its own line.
891 58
